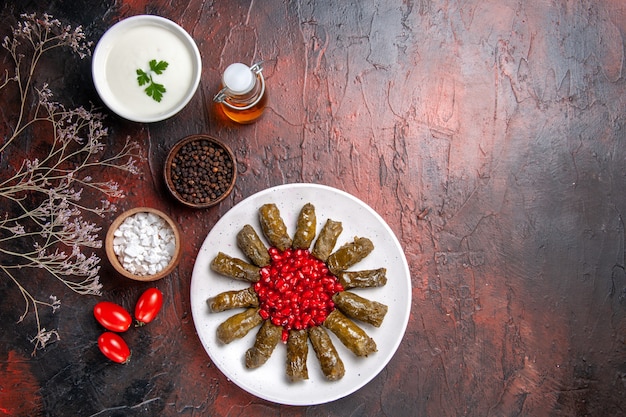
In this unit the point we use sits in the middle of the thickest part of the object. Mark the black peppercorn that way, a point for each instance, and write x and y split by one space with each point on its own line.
201 171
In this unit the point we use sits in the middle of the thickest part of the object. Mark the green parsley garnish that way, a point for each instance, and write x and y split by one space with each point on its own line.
154 90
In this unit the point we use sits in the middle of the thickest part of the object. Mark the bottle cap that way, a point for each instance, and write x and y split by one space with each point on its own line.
238 78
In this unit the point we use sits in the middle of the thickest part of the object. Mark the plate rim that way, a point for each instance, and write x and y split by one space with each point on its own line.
401 328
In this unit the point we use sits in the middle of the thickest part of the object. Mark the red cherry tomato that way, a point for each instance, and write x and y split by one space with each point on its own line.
112 316
113 347
148 306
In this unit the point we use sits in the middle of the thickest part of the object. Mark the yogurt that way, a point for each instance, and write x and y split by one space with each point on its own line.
129 46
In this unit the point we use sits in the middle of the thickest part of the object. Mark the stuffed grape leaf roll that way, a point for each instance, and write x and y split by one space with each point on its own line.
273 227
297 352
235 268
267 338
305 227
327 239
351 335
233 299
362 279
252 246
349 254
359 308
330 362
238 325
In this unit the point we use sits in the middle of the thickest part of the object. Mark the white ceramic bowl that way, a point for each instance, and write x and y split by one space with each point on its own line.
128 47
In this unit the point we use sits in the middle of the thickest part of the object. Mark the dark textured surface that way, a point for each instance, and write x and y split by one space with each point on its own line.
489 135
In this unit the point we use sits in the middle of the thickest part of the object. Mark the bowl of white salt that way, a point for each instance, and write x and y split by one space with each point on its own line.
143 244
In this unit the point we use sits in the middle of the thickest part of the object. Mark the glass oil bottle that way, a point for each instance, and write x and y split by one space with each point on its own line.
243 97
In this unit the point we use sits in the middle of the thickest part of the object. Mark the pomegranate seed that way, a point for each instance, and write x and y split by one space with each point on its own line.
295 291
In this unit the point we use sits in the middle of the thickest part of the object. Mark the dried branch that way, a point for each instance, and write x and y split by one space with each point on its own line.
43 226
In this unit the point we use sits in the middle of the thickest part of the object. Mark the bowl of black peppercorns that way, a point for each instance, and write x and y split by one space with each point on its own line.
200 171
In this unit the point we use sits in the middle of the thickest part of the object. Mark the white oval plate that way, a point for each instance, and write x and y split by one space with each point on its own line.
130 45
269 381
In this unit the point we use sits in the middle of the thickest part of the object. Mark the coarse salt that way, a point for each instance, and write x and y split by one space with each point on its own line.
144 243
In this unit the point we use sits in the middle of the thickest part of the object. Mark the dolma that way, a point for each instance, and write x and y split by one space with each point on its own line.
327 239
267 338
305 227
273 227
351 335
349 254
238 325
235 268
297 351
362 279
330 362
233 299
252 246
357 307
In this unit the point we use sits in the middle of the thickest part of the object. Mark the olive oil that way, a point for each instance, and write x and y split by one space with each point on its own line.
243 97
244 116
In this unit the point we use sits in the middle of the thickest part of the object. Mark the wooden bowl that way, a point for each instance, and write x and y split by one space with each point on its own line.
114 259
201 193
